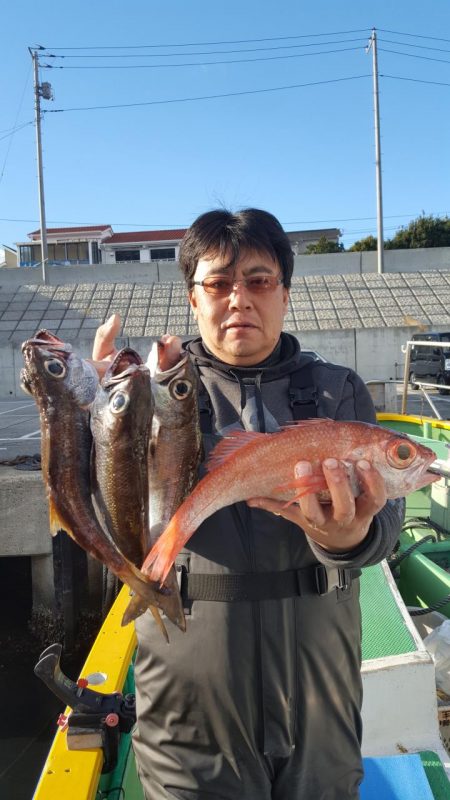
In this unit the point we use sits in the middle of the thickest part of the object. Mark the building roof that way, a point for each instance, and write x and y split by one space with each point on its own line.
79 229
126 237
145 236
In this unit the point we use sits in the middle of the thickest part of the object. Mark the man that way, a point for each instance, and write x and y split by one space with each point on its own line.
261 697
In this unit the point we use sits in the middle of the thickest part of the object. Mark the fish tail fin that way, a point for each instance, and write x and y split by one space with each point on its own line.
136 607
171 604
163 553
159 622
167 598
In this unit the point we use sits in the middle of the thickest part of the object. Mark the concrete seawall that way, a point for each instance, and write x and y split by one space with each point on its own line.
415 260
24 528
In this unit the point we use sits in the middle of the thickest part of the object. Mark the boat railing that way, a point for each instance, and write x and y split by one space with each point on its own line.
423 385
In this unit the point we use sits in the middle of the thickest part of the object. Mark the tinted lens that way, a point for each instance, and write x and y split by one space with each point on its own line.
258 284
261 283
219 286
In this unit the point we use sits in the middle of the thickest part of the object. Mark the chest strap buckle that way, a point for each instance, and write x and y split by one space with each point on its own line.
329 578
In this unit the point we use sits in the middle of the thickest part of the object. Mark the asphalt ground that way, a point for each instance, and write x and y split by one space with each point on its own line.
19 429
20 435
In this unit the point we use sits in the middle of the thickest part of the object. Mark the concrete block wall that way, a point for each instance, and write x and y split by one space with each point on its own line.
375 353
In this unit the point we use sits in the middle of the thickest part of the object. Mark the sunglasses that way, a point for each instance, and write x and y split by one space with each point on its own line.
256 284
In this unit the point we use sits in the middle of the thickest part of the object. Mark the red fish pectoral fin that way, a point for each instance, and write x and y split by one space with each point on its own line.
308 484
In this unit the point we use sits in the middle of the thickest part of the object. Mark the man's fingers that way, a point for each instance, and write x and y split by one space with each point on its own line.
342 499
99 366
169 352
309 504
104 342
373 496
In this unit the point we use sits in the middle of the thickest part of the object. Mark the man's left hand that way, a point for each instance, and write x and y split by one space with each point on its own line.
342 524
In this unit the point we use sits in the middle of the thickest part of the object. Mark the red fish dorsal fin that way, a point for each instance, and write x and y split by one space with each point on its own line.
300 422
229 446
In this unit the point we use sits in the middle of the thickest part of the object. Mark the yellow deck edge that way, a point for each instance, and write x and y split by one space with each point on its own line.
435 423
74 775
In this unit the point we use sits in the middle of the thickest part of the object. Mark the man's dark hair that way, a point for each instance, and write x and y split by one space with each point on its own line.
222 233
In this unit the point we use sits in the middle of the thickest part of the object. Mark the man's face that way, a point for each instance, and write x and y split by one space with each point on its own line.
241 328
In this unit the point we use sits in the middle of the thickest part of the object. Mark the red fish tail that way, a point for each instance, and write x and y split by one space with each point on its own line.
163 553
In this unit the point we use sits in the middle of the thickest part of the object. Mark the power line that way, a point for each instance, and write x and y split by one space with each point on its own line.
208 52
414 35
167 225
15 130
205 44
402 44
199 63
205 97
413 80
414 55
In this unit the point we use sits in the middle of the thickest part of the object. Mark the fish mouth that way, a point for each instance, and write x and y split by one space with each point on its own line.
44 338
428 477
124 359
127 363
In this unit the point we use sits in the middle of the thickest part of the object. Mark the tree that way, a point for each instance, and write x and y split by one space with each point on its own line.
425 231
368 243
324 245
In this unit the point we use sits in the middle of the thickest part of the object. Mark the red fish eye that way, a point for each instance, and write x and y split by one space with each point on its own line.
401 454
404 452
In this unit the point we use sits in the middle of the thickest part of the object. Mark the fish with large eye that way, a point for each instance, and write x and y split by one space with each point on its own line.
180 389
64 387
119 402
401 453
55 367
248 464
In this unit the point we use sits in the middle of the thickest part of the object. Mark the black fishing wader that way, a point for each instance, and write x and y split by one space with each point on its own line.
260 699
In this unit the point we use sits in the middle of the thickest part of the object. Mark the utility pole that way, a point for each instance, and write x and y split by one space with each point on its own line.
40 90
376 108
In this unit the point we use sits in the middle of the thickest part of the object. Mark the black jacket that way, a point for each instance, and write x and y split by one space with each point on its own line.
260 698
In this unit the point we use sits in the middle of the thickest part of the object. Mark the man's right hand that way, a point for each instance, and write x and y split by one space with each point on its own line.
104 348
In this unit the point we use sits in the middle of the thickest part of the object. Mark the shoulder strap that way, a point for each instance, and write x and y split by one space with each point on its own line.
302 392
204 409
302 397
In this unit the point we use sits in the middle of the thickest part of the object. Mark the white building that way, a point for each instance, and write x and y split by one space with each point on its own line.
98 244
8 256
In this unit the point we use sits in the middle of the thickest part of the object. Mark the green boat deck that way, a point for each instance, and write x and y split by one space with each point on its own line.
384 629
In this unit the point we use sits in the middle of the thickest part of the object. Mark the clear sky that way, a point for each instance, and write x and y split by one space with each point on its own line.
306 153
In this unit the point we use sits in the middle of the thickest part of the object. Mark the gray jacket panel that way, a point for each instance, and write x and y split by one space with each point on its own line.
260 699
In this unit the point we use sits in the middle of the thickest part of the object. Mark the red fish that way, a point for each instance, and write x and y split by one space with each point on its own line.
249 464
